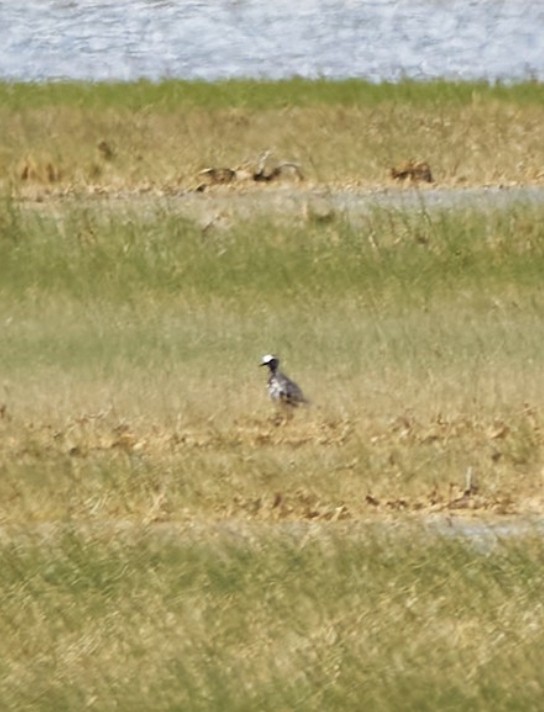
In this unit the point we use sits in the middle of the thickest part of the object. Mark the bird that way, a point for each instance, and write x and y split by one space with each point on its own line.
282 389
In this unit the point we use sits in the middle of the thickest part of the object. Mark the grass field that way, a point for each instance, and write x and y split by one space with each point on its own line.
142 620
165 542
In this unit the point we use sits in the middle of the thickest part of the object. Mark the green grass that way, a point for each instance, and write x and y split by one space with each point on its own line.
169 620
250 94
401 256
402 296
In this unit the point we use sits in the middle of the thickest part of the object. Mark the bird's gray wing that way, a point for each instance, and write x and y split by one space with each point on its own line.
291 392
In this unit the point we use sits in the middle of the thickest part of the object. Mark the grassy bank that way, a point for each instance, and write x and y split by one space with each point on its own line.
161 135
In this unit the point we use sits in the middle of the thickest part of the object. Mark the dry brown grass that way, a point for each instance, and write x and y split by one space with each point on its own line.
57 150
98 467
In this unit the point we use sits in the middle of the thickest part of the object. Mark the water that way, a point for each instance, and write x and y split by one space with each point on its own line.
214 39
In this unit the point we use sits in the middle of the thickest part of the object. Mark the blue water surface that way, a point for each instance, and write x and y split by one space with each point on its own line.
216 39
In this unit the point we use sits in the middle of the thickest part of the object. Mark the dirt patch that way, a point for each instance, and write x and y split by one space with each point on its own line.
221 205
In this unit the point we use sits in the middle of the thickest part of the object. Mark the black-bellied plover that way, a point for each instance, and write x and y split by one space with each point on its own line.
282 389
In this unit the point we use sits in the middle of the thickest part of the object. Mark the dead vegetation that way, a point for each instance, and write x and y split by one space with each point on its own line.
340 469
105 151
413 171
39 171
261 171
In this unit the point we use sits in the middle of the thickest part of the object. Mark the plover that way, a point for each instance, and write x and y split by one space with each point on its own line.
281 389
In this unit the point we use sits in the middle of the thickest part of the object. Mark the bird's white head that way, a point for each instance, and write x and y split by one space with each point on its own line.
270 360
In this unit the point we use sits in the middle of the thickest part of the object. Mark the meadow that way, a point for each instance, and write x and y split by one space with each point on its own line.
166 542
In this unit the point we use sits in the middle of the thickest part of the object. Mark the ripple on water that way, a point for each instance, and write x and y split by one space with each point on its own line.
214 39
